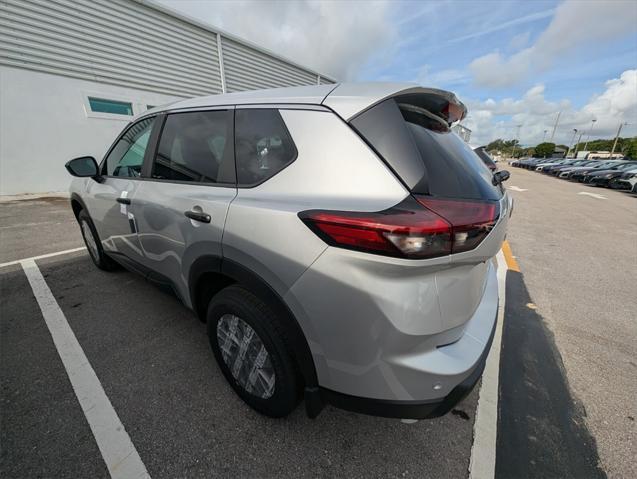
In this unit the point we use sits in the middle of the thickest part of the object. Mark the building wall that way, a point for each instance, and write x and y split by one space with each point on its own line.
118 42
44 123
54 53
246 68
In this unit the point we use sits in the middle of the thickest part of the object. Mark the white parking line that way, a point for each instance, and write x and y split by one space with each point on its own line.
516 188
594 195
485 427
42 256
118 451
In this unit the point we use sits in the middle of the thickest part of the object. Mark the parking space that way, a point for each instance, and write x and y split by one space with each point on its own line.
578 254
36 227
153 361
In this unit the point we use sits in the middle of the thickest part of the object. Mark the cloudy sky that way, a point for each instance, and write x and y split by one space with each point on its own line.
511 62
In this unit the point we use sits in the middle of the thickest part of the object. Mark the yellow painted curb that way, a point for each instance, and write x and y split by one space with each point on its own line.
512 264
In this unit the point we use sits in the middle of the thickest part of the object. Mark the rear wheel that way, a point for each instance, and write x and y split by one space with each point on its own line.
93 243
252 351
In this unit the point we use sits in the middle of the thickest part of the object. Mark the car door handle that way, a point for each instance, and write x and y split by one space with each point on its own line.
198 216
124 201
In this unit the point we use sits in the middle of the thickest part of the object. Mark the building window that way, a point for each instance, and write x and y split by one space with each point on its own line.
103 105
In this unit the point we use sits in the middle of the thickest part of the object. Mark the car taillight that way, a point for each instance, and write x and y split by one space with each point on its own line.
471 220
420 227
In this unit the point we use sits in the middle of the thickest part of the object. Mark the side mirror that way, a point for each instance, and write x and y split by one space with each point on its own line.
500 176
83 167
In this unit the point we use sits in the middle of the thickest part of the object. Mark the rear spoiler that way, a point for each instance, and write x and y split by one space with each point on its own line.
349 100
441 103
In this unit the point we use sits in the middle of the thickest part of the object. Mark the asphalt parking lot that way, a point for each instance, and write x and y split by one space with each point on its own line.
567 370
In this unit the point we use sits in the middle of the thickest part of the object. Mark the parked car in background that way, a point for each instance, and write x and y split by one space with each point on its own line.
547 164
611 165
603 177
486 158
377 295
626 181
556 170
527 162
547 167
579 171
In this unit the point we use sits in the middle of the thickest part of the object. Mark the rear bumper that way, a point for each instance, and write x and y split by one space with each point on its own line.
398 336
411 409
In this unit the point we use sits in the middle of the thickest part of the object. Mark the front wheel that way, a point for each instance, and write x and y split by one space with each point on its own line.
93 243
251 348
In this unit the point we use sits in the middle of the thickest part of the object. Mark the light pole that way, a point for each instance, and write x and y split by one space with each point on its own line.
570 145
544 137
589 133
557 120
579 140
616 138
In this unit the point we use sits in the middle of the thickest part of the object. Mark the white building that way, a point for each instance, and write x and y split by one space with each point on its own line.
72 74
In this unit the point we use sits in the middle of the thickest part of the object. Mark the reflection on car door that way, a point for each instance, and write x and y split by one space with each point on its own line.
110 200
181 209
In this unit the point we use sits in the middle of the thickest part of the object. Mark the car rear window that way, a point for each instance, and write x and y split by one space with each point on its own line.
486 158
423 151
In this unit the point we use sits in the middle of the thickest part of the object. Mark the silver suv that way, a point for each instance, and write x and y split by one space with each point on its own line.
338 240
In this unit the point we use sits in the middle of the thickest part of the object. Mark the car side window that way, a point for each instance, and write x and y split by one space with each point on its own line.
127 157
263 145
196 147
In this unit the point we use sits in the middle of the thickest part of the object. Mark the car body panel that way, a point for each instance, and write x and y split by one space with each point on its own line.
300 95
381 335
170 241
389 316
363 183
377 326
114 222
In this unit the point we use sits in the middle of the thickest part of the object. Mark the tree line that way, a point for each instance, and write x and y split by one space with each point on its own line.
626 146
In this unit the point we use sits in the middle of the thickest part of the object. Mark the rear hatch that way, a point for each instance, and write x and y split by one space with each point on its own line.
412 134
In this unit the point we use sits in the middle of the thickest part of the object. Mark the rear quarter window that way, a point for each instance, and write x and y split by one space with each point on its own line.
424 153
263 145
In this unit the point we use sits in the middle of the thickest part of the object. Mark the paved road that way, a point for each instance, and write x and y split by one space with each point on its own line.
35 227
578 254
153 360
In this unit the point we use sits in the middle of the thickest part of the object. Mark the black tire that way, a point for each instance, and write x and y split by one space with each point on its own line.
241 303
97 254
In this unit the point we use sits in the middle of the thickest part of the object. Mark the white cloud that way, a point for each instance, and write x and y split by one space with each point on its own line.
520 41
441 78
504 25
575 25
617 104
335 38
618 101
